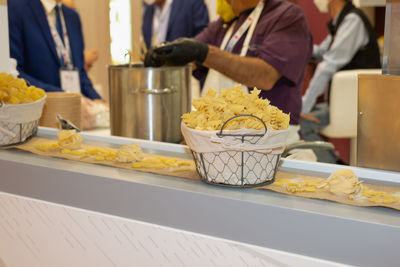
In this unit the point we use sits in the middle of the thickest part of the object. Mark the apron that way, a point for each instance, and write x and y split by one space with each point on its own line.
216 80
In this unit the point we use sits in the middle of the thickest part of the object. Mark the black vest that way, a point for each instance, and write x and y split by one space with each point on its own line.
367 57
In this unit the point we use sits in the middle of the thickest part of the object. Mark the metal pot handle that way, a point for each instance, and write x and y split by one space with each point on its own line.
157 91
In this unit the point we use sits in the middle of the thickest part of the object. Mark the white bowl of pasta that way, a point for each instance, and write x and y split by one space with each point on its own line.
21 107
19 122
236 138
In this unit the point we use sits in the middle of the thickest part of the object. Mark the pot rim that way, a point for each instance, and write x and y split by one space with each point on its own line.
140 65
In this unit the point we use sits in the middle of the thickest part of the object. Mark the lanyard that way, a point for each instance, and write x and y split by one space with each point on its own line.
63 51
250 22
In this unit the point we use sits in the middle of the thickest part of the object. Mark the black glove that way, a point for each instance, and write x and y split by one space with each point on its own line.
176 53
150 60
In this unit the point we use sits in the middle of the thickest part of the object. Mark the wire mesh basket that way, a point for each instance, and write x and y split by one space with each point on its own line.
238 168
19 122
15 133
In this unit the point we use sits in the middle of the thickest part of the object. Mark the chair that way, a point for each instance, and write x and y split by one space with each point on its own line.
343 107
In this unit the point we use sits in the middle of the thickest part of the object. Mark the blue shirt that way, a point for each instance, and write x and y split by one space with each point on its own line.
350 37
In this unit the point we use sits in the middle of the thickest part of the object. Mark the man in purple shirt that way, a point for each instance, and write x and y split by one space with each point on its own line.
274 60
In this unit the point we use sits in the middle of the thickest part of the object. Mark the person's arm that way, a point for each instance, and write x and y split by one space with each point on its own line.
320 50
90 56
17 48
38 83
251 71
274 54
86 86
350 37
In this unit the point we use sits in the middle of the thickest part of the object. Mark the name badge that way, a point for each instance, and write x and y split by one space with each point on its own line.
70 81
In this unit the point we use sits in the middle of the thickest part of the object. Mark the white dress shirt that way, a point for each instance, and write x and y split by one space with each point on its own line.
160 22
351 36
49 7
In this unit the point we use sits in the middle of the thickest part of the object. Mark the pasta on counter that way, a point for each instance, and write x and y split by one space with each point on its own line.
69 139
70 143
342 183
211 111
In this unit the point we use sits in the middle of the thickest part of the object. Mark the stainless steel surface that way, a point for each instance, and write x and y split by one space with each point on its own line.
391 55
309 227
308 145
378 134
147 103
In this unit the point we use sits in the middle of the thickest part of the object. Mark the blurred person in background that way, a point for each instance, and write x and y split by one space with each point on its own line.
47 42
351 44
263 44
90 55
167 20
69 3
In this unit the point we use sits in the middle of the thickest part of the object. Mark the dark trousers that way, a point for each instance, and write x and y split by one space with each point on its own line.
310 131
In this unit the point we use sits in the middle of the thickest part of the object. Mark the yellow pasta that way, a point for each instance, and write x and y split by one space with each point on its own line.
379 197
342 183
160 162
212 110
69 139
129 153
16 91
69 142
48 146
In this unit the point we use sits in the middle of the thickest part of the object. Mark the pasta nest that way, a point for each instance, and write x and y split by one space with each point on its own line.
212 111
130 153
68 139
343 182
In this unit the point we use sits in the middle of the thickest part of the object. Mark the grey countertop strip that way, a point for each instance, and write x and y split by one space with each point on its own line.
316 228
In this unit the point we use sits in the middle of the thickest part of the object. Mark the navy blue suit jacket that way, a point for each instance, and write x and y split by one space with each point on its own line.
32 45
187 19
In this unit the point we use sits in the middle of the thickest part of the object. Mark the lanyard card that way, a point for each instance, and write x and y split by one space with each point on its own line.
70 81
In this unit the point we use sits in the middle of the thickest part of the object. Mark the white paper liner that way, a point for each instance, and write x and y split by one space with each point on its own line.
273 142
19 121
228 161
21 113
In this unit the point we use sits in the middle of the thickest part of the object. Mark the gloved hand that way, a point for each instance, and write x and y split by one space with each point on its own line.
150 59
176 53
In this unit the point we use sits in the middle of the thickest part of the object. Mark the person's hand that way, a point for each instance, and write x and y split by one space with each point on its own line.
90 57
102 102
310 117
176 53
150 59
87 119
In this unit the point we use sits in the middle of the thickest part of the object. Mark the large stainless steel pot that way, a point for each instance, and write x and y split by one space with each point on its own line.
147 103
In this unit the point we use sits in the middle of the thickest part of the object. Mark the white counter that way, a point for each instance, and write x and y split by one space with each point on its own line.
96 215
